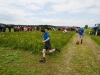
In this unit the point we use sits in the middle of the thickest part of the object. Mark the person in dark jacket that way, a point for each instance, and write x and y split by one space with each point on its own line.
9 28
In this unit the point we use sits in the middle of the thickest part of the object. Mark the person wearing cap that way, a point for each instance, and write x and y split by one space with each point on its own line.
47 46
80 33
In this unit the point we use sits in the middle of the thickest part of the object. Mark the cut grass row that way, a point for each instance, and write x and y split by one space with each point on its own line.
93 37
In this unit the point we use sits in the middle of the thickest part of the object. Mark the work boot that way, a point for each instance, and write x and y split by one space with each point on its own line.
57 49
77 42
81 41
42 60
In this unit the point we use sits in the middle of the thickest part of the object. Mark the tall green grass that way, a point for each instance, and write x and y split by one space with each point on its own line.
96 38
32 41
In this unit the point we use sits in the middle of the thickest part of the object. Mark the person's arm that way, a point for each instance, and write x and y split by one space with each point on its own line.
46 39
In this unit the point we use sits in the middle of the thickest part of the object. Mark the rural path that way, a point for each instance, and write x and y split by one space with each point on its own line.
82 59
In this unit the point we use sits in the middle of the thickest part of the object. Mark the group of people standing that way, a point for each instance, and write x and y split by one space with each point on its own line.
3 28
24 28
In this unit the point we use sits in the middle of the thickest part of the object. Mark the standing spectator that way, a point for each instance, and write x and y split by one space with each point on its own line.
0 28
80 32
3 28
20 28
47 45
65 31
9 28
35 28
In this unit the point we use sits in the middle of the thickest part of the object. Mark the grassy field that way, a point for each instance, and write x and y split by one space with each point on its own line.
96 39
19 50
32 41
83 59
93 37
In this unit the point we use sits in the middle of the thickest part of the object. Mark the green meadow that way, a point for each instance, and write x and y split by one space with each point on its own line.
20 53
32 41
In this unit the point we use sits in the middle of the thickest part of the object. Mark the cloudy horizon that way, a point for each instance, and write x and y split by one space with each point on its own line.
50 12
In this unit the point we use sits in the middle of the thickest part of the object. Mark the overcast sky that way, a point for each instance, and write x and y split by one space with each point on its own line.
51 12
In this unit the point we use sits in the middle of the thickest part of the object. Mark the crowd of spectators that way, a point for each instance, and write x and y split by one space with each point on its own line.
21 28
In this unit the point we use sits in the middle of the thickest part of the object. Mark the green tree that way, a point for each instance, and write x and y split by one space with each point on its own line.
86 26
